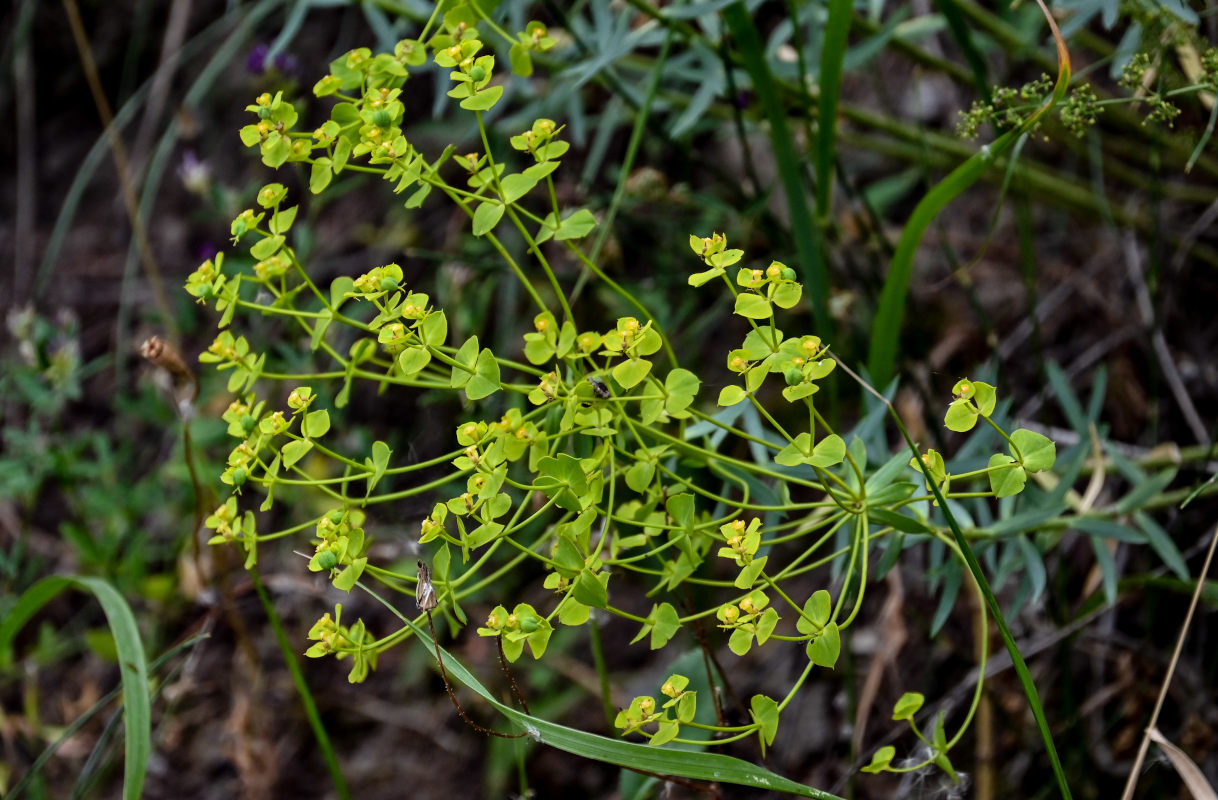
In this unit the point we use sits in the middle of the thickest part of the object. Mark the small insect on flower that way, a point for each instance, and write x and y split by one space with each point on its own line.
598 386
425 593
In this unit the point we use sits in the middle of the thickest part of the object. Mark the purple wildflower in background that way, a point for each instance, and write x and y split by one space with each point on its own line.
206 251
256 62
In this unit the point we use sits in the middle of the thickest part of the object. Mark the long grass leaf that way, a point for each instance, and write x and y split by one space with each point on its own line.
678 763
133 665
964 40
790 169
886 329
75 725
833 52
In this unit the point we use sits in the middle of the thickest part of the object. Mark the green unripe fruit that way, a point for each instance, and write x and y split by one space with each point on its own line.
247 423
788 274
477 73
382 118
240 474
528 624
388 284
794 376
335 516
327 560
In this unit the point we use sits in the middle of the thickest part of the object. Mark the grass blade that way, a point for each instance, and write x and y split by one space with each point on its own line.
75 725
955 21
886 330
790 170
663 761
133 664
833 52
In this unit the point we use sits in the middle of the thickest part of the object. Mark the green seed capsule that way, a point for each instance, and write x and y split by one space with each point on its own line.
794 376
239 476
477 73
788 274
528 624
247 423
326 559
388 284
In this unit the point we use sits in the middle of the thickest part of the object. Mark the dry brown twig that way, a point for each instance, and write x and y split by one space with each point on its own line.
1151 729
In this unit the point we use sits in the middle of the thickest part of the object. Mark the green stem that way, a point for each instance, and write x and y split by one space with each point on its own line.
302 688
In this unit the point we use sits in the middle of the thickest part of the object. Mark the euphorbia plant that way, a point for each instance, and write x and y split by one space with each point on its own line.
596 479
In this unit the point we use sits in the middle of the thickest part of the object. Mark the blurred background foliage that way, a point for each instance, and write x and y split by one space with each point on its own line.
1079 275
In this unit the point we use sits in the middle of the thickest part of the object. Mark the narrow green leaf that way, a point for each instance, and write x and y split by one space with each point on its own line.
739 21
133 665
1107 529
1162 543
683 764
1145 490
959 27
886 329
1033 564
947 600
1108 570
898 521
833 52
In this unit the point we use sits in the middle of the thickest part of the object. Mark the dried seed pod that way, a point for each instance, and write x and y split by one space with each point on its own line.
164 355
